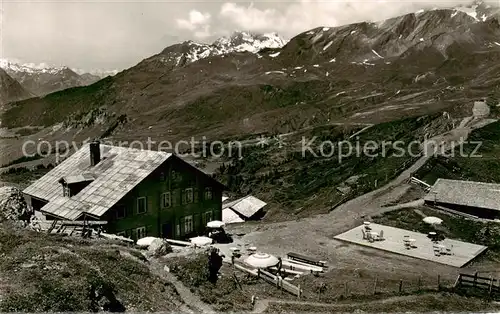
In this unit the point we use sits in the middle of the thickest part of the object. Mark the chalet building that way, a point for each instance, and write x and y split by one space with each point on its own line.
137 193
477 199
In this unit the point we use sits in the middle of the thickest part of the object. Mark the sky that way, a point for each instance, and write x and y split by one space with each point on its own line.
114 35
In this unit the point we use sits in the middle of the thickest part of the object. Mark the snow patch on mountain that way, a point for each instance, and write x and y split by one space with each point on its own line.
327 45
470 11
98 72
377 54
31 68
237 42
15 66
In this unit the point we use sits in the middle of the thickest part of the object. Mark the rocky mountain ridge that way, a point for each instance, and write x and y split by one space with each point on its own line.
10 89
412 64
42 80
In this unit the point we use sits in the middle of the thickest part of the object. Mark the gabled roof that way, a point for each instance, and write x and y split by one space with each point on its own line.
230 217
118 172
246 206
465 193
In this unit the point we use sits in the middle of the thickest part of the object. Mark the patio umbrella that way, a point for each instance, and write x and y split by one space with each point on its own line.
145 241
215 224
433 220
262 260
201 241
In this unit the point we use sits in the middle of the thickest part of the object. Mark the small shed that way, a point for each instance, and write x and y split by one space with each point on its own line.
479 199
243 209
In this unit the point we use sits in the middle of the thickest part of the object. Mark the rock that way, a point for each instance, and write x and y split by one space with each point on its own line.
13 205
159 247
166 268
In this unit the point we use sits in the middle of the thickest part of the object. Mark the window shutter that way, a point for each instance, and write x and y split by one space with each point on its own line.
176 199
182 225
196 222
183 196
196 195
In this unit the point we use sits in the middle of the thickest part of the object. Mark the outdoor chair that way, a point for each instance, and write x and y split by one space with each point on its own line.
369 237
381 235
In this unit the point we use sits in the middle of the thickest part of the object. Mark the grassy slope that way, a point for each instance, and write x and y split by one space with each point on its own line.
58 106
485 168
43 272
418 303
306 184
22 176
226 294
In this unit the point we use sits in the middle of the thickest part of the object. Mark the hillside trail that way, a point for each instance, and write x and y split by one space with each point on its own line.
372 203
192 302
313 235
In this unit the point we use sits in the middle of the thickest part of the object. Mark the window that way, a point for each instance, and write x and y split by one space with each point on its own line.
120 211
166 200
175 176
141 232
141 205
163 176
66 191
188 196
208 193
188 224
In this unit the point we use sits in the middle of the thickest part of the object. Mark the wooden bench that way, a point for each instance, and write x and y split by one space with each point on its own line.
306 259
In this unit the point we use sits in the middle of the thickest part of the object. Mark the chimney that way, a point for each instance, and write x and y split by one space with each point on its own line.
95 153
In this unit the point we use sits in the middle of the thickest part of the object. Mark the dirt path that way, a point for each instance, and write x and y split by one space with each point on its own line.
193 303
314 236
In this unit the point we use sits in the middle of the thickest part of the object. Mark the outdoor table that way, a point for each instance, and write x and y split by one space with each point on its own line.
412 242
433 235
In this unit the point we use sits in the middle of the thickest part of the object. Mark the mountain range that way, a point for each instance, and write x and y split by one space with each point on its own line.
45 80
427 61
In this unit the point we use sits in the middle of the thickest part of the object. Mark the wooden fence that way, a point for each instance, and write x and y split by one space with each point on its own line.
272 279
279 282
420 183
488 285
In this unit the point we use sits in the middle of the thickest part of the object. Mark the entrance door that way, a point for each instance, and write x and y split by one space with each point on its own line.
166 231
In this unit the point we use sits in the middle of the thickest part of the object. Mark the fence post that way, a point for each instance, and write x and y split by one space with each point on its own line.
345 289
491 285
375 285
419 282
400 285
439 282
298 292
475 280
